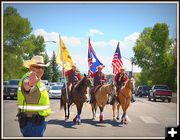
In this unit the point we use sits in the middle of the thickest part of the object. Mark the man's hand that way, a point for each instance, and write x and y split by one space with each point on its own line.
33 79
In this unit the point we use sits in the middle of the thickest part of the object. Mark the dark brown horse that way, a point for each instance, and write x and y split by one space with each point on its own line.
78 97
124 96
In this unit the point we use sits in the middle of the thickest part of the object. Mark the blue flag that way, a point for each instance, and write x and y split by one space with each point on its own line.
93 61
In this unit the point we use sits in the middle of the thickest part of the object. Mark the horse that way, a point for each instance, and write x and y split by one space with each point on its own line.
101 98
78 97
123 98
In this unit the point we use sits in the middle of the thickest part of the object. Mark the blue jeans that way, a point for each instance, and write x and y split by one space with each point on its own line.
32 130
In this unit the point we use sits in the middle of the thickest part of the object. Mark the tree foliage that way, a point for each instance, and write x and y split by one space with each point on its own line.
18 43
155 55
55 73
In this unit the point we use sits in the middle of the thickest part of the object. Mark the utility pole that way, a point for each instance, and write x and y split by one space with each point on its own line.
132 60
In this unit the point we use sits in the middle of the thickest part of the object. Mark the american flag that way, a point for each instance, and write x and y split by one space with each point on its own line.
117 62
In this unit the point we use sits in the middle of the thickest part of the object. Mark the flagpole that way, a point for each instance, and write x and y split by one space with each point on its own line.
63 69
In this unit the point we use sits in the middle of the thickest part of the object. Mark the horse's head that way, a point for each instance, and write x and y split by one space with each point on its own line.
87 80
112 88
129 84
83 84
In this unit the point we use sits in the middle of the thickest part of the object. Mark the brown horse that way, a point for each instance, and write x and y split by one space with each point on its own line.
78 97
101 98
124 96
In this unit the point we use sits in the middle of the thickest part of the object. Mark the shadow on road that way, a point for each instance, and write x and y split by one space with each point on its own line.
100 124
66 124
70 124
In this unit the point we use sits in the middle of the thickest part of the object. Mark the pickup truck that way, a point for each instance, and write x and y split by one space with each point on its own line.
10 90
160 92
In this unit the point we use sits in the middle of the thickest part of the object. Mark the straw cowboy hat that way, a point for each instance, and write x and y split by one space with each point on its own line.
36 60
100 67
73 65
122 68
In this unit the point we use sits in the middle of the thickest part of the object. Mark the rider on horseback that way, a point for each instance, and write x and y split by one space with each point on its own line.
99 80
120 79
73 77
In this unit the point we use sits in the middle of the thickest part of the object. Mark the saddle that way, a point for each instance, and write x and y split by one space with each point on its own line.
96 88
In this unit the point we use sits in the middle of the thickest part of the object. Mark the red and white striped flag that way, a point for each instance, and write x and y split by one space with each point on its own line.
117 62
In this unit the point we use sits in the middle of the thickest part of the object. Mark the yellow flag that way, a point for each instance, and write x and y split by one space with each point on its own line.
63 56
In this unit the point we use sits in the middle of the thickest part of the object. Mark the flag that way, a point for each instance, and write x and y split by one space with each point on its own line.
117 62
63 56
93 61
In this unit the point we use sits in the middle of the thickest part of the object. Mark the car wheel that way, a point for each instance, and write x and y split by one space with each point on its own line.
149 98
169 100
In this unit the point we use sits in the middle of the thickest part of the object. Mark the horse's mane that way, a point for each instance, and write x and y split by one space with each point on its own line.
80 84
127 84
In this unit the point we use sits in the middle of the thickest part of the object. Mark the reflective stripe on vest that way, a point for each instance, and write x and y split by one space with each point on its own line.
33 108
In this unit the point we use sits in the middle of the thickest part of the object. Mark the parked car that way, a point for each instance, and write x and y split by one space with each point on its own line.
143 90
160 92
11 89
55 91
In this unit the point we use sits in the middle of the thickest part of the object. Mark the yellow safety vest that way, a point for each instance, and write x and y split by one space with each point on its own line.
43 105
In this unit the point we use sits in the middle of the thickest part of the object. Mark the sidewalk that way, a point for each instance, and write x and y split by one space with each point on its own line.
174 97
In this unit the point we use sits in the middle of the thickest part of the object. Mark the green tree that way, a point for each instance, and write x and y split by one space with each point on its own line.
15 30
47 71
152 54
55 73
18 43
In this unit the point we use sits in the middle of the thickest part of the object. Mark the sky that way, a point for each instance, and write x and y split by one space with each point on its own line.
105 24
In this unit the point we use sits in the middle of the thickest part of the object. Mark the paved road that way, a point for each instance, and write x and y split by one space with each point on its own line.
146 119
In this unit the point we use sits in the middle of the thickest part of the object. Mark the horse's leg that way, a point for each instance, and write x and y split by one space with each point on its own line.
124 113
101 114
93 110
113 108
66 117
79 108
69 104
75 118
118 106
126 107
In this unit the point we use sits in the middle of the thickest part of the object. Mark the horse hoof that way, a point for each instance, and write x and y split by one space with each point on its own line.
78 122
117 118
74 120
125 121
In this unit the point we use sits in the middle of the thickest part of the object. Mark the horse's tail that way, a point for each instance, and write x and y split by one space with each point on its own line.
62 99
61 103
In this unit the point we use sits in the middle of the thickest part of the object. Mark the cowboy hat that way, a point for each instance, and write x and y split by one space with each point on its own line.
100 67
36 60
122 68
73 65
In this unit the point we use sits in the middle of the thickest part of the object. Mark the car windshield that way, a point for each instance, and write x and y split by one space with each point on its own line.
13 82
161 87
56 87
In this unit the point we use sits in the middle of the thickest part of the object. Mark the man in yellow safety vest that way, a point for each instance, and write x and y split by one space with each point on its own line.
33 99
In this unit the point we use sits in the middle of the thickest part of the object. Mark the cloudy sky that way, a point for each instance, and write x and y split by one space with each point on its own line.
104 23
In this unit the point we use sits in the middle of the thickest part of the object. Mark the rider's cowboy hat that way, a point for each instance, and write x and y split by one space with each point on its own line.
100 67
73 65
37 61
122 68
